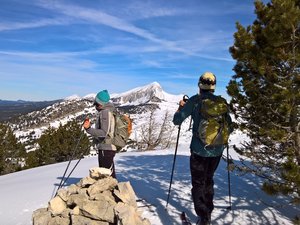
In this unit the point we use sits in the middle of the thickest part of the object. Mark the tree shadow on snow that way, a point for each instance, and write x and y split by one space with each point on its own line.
150 175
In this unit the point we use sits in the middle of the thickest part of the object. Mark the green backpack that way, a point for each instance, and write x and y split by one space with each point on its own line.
213 128
123 129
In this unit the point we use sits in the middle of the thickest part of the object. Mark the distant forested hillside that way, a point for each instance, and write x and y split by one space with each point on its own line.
11 109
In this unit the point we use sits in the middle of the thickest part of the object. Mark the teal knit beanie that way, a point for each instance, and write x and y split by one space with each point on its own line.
102 97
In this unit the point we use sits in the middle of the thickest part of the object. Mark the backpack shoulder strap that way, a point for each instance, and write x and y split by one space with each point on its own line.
225 101
195 100
222 99
112 123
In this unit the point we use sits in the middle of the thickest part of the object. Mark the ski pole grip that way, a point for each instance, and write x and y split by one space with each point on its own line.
185 98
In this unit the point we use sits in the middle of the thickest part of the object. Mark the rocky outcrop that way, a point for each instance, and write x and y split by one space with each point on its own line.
96 200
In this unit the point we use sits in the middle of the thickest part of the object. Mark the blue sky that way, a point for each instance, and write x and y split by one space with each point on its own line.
51 49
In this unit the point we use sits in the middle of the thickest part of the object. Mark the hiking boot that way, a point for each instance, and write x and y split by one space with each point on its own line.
204 221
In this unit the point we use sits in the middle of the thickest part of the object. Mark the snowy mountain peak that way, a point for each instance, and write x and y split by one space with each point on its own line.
72 97
152 92
89 96
154 85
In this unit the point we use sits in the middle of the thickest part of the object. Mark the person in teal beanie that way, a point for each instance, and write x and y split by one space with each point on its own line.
204 160
103 132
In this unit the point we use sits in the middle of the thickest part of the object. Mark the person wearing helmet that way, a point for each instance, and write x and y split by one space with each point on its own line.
103 131
203 160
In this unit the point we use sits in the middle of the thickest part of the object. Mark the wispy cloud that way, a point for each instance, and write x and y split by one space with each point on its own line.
34 24
129 49
182 76
103 18
48 61
152 63
45 77
70 14
138 10
81 46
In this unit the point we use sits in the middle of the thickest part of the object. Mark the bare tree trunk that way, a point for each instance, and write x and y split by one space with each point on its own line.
154 133
295 114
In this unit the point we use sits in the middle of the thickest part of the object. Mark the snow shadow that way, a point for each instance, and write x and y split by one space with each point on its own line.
150 176
68 182
248 199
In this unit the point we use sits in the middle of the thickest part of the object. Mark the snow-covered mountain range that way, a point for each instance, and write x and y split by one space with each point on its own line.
138 103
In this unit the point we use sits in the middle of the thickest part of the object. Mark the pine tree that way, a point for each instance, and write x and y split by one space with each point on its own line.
265 93
46 145
31 160
58 145
11 151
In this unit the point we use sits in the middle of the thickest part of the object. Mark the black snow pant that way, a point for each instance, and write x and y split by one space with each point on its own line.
202 172
106 160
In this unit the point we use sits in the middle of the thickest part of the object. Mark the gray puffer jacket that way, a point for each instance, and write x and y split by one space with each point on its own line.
104 128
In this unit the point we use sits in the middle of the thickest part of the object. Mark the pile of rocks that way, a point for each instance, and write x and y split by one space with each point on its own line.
96 200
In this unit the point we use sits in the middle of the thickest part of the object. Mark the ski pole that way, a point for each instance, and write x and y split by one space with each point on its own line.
173 165
185 99
190 126
71 171
61 181
229 186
